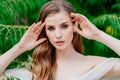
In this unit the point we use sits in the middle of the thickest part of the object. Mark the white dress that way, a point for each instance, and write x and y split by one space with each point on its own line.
99 71
95 74
22 74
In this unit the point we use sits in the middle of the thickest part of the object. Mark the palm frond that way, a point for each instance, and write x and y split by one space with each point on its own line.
117 6
9 36
110 24
78 5
94 2
12 10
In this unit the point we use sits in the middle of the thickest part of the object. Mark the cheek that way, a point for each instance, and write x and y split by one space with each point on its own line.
49 36
69 34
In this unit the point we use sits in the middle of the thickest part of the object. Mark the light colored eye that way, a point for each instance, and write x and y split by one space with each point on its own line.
65 26
50 28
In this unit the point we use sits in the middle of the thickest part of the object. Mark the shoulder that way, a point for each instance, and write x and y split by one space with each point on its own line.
22 74
95 59
113 63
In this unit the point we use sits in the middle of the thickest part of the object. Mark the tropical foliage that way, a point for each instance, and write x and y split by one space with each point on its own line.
17 15
105 15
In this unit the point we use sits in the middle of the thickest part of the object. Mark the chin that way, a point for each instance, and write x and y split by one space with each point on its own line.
60 47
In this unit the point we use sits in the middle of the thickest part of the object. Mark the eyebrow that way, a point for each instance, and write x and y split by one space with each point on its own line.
64 23
60 24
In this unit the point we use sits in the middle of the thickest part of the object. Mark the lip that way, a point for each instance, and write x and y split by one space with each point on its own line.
59 43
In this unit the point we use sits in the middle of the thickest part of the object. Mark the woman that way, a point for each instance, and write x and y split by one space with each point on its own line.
58 53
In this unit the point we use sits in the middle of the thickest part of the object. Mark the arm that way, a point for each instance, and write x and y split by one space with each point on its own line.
28 42
111 42
91 32
88 30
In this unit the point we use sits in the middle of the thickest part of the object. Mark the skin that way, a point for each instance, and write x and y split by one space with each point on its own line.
91 32
27 42
59 27
66 54
68 60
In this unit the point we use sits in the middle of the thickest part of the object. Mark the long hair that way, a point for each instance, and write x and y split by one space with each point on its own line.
44 56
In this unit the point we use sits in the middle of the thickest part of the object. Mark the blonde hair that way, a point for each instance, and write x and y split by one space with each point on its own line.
44 56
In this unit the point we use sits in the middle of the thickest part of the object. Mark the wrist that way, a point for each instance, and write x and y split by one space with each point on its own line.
99 36
20 48
102 37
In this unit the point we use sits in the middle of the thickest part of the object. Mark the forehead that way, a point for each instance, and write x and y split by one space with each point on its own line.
58 18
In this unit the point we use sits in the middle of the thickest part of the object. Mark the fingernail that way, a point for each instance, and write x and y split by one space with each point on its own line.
44 38
40 22
72 13
33 24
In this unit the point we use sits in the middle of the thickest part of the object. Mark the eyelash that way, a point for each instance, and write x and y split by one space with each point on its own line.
52 28
65 26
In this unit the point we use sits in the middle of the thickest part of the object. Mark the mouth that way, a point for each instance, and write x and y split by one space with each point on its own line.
59 43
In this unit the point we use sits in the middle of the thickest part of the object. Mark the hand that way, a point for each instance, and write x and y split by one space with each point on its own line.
88 30
29 39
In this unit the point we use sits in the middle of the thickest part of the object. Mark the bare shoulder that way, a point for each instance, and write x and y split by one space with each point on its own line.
95 59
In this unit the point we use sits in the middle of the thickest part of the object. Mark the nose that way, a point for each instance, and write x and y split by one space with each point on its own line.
58 34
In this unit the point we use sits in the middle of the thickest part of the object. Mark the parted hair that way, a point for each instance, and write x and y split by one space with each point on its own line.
44 56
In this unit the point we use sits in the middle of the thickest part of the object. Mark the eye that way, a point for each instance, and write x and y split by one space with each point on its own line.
50 28
65 26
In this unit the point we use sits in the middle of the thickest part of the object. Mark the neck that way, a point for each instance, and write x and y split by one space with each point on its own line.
67 52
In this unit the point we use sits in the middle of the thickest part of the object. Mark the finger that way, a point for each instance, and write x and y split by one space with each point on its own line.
75 24
40 41
35 27
74 15
31 26
82 20
78 17
73 20
38 31
76 29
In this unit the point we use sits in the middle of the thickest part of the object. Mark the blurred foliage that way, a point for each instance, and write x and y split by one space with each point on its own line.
13 78
19 11
15 17
9 36
105 14
16 14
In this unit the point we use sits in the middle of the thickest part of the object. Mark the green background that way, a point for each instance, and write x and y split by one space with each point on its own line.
17 15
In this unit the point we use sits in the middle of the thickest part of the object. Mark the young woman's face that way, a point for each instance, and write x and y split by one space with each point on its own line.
59 30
